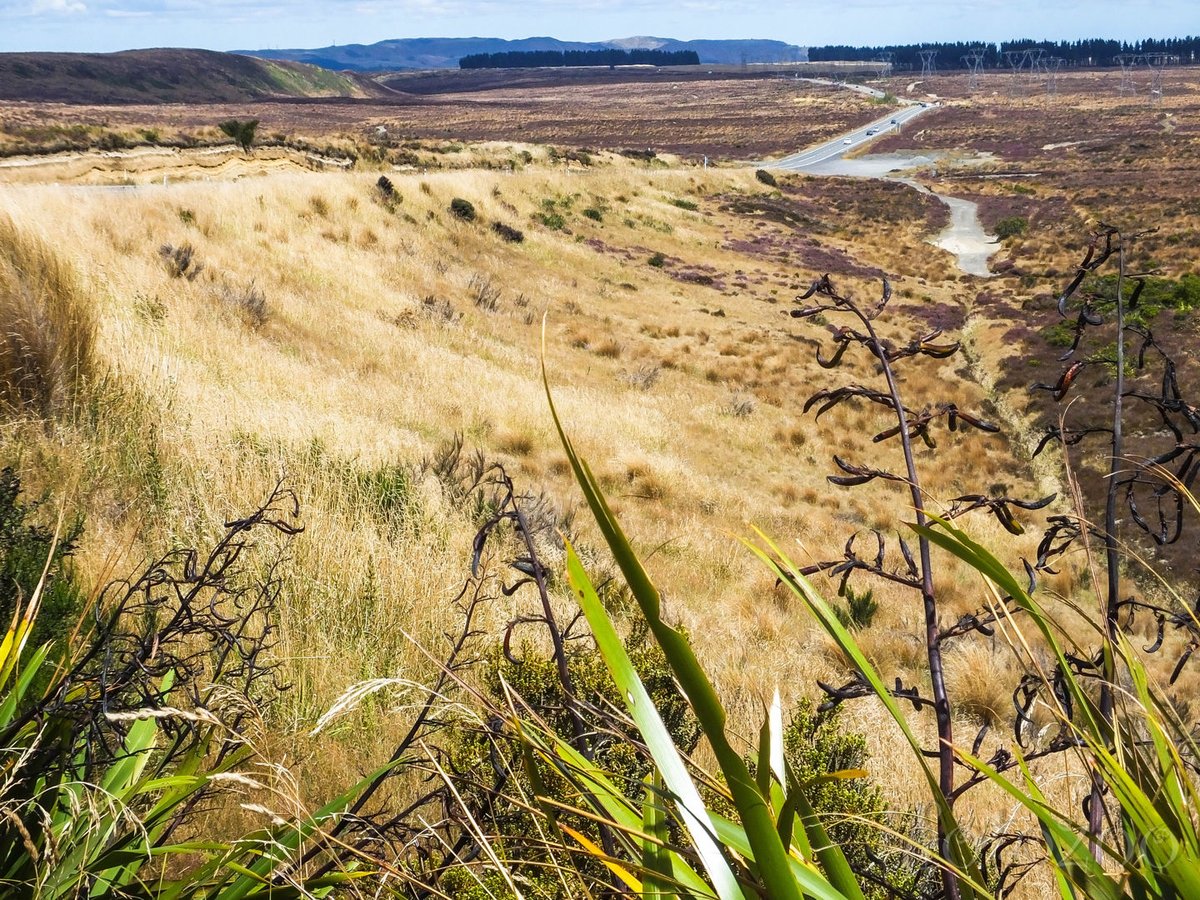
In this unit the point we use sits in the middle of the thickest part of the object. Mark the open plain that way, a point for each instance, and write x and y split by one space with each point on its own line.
363 343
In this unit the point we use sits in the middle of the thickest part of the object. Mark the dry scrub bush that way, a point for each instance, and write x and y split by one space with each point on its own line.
46 327
181 261
249 302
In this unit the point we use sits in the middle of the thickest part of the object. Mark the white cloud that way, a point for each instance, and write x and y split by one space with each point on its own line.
58 7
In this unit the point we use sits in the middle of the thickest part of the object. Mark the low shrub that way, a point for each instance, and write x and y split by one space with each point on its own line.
463 209
181 261
658 260
552 220
249 302
508 233
112 140
766 178
815 743
26 549
860 609
1011 226
241 132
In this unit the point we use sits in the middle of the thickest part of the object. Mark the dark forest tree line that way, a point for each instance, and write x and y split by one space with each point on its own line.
536 59
1088 52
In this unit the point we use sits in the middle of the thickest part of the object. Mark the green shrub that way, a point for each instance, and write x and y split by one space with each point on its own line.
1179 294
551 220
1060 334
816 744
594 214
658 260
689 205
1011 226
860 609
463 209
112 140
766 178
494 755
26 549
241 132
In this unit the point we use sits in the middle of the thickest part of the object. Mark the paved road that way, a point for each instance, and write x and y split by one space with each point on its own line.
835 149
964 236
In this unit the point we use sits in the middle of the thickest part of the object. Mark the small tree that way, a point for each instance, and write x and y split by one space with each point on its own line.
241 132
1012 226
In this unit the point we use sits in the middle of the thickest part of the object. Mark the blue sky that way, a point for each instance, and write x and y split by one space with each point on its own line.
103 25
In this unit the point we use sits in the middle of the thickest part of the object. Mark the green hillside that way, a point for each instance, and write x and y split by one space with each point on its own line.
175 76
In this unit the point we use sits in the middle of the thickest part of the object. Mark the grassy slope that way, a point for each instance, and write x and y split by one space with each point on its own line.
166 76
685 395
355 374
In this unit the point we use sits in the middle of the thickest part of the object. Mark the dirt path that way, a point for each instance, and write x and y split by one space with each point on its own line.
964 236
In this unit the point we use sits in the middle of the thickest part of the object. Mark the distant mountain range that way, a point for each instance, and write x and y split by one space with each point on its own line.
444 53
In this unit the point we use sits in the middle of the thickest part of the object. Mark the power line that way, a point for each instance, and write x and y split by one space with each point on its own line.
974 62
928 63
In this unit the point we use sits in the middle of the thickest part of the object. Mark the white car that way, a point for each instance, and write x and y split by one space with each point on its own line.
847 141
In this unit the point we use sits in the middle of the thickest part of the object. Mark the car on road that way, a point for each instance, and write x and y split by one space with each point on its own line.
872 131
847 141
894 122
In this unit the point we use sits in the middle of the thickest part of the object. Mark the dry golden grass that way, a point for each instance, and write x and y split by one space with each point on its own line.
374 352
47 326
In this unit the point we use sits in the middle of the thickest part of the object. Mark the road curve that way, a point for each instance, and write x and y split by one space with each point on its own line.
813 157
964 236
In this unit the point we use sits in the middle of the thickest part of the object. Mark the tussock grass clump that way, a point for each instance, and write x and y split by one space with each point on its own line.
484 292
644 377
181 261
248 301
47 330
740 405
609 348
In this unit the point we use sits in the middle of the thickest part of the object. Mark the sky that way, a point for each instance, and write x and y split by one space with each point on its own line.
106 25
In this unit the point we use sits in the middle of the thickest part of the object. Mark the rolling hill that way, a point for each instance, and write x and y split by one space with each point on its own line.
167 75
442 53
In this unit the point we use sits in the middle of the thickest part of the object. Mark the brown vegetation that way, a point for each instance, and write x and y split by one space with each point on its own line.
342 335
